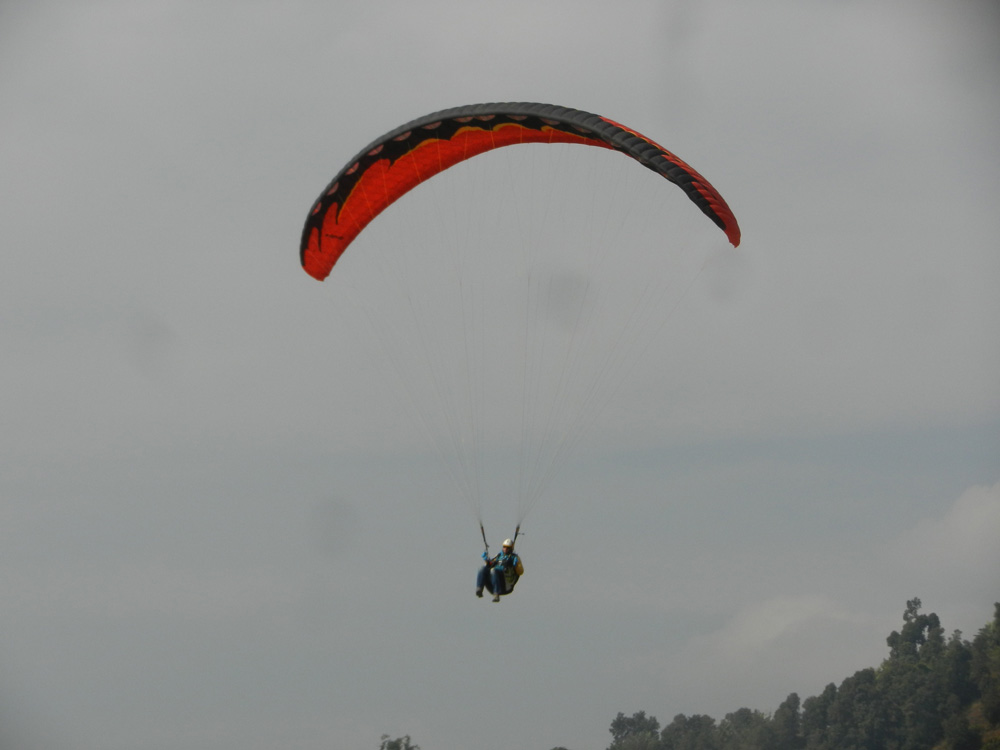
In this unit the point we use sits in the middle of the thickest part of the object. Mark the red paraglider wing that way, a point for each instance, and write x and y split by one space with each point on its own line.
418 150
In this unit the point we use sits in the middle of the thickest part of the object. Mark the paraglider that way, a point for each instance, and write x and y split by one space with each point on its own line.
500 573
390 167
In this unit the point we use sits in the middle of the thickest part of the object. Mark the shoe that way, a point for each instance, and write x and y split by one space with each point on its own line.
496 597
479 593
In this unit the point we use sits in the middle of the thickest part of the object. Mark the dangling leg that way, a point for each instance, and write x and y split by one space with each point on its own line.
483 580
499 586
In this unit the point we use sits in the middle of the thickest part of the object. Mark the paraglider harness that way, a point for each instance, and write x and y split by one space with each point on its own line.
510 576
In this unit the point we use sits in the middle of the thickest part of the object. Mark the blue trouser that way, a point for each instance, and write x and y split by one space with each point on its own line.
492 579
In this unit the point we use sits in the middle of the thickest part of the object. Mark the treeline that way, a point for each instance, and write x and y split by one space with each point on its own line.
931 693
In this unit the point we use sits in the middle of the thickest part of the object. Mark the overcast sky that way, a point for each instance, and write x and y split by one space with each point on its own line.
217 533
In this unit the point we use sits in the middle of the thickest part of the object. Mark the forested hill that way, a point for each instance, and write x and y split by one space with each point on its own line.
930 693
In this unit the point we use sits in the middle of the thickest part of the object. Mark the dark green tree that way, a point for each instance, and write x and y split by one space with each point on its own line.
815 721
745 730
638 732
400 743
786 725
919 680
959 733
921 638
957 670
858 718
696 732
985 667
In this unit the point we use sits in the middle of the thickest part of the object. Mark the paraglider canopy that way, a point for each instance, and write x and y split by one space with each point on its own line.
400 160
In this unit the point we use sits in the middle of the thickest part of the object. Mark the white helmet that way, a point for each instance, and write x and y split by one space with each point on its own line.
508 543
